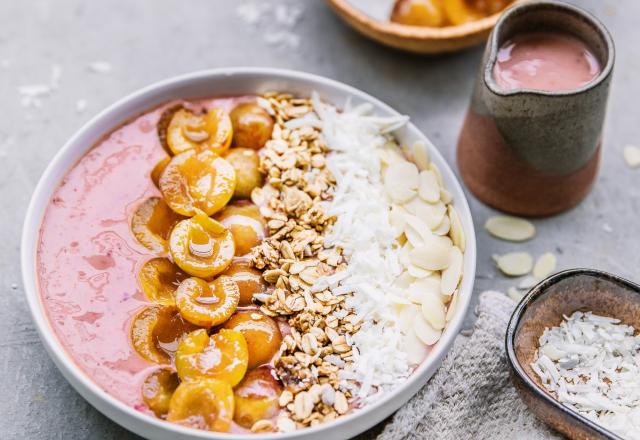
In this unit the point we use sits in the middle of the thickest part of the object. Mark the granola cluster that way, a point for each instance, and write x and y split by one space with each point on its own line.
293 258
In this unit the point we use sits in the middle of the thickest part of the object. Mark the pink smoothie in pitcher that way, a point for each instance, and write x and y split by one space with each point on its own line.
550 61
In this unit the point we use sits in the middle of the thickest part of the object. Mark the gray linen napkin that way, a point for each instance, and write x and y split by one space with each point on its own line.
470 396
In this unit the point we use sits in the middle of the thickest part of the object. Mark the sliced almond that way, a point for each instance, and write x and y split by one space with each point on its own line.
433 310
425 332
416 230
444 227
401 181
433 167
514 264
445 196
527 282
545 266
451 310
451 275
510 228
415 348
420 155
632 156
430 213
397 218
433 255
418 272
423 286
515 294
406 315
429 188
404 281
405 254
456 231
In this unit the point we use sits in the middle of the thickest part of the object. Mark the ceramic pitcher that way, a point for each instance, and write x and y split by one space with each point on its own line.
530 152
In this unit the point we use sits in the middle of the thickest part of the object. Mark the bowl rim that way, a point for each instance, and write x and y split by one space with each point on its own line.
512 327
424 33
133 419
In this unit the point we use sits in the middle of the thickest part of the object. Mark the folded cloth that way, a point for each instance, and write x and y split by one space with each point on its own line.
470 396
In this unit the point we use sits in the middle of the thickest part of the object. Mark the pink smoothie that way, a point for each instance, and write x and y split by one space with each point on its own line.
88 258
549 61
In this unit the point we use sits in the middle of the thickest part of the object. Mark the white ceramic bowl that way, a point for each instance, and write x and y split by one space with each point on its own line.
228 81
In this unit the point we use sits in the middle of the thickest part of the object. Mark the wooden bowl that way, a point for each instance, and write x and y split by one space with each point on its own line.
417 39
562 294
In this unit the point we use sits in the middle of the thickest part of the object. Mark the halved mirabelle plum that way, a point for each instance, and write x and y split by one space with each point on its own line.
159 279
204 404
211 131
419 13
197 180
459 12
157 389
252 125
152 222
163 124
261 333
256 397
246 162
247 278
245 222
207 304
158 169
156 332
222 356
201 246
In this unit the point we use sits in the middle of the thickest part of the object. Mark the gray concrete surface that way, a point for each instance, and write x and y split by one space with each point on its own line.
149 40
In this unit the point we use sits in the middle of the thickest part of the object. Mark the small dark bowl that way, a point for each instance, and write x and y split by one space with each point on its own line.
563 294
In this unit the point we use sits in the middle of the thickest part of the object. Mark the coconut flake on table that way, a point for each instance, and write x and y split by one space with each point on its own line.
368 240
591 364
276 23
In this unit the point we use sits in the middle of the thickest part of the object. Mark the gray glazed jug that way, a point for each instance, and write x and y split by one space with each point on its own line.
532 152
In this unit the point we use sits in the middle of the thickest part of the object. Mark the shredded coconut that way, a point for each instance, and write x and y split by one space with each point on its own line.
364 232
32 95
591 364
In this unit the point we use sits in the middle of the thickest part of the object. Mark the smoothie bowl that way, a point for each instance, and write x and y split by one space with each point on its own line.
248 252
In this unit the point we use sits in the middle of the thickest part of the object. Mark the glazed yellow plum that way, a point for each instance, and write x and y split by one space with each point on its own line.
197 180
207 304
156 331
157 389
246 163
204 404
159 279
210 131
419 13
222 356
247 278
246 224
163 125
201 246
256 397
261 333
459 12
158 169
152 222
252 125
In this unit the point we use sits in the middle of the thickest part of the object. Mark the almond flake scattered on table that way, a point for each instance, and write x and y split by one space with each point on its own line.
632 156
545 266
510 228
514 264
